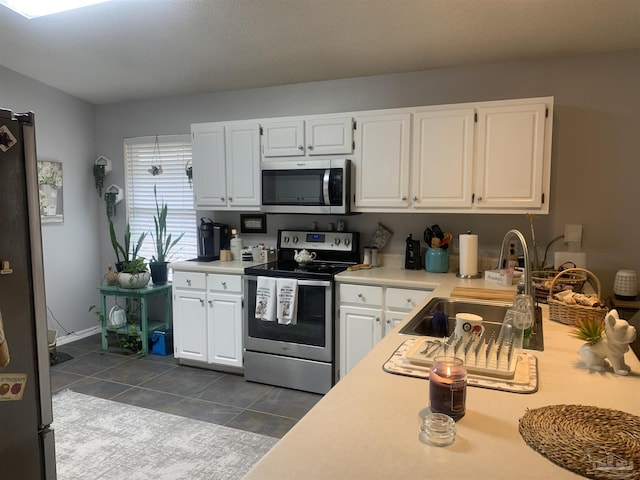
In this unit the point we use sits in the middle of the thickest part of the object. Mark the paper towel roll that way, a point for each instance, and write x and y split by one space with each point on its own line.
468 255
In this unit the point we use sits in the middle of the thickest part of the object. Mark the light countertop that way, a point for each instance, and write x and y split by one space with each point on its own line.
367 426
234 267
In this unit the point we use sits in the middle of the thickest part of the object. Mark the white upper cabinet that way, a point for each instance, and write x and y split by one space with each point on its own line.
243 164
484 157
442 159
381 161
226 165
209 165
511 160
308 136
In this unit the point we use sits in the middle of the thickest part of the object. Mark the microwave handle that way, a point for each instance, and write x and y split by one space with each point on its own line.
325 186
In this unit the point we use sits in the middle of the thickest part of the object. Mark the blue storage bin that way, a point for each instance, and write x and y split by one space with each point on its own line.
162 343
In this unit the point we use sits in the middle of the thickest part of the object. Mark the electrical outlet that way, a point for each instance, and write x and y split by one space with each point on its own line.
573 234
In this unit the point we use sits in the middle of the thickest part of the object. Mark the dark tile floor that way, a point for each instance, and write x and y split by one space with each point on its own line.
159 383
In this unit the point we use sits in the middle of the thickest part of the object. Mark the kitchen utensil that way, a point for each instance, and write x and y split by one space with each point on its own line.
303 256
428 236
437 231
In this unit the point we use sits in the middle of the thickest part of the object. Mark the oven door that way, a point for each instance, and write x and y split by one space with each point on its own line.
310 338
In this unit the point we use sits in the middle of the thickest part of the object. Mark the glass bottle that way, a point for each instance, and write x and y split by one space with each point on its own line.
448 386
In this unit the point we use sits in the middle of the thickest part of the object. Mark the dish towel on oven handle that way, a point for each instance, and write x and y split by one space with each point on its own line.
266 299
287 301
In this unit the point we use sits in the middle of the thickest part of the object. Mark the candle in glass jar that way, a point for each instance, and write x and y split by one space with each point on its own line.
448 386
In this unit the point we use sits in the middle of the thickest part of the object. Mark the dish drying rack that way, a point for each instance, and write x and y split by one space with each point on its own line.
492 357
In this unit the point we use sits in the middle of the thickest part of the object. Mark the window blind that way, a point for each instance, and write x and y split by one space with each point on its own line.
172 153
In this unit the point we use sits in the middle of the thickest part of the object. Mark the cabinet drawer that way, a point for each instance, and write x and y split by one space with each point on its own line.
404 299
361 295
225 283
194 280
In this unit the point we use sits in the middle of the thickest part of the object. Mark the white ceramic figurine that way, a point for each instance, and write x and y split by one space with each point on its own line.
617 336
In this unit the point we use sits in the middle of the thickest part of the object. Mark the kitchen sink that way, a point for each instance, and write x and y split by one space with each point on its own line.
492 313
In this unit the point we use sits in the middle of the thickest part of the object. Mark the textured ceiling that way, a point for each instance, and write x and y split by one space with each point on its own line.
138 49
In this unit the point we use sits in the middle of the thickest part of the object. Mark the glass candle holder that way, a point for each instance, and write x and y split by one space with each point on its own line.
448 386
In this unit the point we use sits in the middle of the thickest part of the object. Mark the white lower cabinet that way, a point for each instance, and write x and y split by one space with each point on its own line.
367 314
207 318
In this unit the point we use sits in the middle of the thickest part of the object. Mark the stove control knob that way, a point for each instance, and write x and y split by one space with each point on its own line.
346 242
337 241
285 239
295 239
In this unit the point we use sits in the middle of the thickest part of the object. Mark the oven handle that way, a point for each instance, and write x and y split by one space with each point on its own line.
302 283
325 186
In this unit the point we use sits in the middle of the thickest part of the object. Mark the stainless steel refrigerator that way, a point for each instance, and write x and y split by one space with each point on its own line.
26 437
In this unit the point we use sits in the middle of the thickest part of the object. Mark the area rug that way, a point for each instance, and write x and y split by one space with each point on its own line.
107 440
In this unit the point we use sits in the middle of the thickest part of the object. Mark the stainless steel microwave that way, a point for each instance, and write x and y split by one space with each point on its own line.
306 186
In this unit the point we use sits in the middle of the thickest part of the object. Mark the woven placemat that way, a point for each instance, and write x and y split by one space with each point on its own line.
594 442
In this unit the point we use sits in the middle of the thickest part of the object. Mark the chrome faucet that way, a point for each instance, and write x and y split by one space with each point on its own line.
528 281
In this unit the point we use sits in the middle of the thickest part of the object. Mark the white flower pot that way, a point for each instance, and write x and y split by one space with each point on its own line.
136 280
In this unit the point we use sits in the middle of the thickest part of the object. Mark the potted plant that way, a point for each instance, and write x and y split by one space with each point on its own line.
132 269
163 243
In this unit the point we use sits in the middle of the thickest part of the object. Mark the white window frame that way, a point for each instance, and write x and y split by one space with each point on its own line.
173 154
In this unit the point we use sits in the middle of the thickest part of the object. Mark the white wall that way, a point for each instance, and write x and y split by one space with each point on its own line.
65 132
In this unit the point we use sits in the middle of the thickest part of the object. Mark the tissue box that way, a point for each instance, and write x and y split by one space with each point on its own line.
499 277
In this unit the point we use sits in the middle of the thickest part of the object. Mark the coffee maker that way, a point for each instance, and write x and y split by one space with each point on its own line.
212 237
412 258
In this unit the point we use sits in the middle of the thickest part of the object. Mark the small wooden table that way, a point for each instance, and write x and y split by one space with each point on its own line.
143 294
626 308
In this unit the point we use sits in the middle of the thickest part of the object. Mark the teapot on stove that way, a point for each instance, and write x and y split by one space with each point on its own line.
304 256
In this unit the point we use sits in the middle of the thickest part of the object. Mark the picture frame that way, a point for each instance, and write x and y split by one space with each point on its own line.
50 188
253 223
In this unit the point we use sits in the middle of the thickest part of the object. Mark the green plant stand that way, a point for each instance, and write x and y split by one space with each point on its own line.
143 294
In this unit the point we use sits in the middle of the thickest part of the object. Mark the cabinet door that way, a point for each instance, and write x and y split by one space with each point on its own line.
391 320
329 136
283 138
510 156
360 331
381 161
441 162
225 329
243 164
209 174
190 325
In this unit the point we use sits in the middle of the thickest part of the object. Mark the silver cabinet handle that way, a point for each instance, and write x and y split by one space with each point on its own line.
415 199
388 322
231 199
408 300
222 199
211 303
300 147
359 295
310 147
201 302
404 198
479 199
224 284
377 319
189 281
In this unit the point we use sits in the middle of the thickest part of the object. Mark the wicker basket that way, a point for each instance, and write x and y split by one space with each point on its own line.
542 282
572 314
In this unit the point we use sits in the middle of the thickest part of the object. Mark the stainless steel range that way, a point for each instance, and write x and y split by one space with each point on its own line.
300 354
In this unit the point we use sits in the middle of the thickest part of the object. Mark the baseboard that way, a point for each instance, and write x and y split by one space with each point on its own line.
72 337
